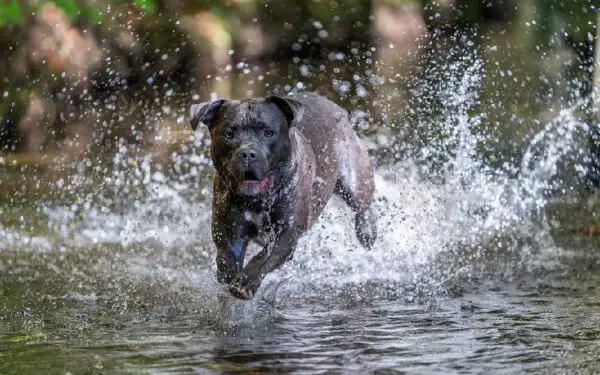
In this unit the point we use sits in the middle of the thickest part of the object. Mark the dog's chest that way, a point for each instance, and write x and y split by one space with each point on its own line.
258 225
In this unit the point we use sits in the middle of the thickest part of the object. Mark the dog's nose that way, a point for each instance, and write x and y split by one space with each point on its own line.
247 155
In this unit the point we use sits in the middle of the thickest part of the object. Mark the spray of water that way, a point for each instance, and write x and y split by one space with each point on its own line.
158 221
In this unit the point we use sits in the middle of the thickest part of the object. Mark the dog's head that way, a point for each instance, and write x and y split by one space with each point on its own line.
250 139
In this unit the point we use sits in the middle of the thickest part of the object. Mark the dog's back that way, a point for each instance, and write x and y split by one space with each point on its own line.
343 165
325 125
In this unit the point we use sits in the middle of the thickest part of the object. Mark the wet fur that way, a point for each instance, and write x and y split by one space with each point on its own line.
316 154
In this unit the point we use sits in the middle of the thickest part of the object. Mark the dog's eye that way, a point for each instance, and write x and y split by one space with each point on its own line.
228 134
269 133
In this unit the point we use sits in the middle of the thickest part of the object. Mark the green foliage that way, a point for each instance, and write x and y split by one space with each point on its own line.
69 7
148 6
10 12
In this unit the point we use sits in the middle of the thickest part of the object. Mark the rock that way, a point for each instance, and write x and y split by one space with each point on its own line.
399 33
403 26
34 123
55 45
253 42
210 38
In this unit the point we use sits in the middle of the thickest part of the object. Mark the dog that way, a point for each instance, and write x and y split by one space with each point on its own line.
278 161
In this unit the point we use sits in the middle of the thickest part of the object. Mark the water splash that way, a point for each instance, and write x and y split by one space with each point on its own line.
472 206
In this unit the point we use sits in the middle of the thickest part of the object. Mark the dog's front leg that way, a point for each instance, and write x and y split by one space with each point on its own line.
231 239
246 282
230 260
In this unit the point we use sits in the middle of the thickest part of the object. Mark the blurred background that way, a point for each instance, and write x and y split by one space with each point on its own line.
480 114
78 74
80 78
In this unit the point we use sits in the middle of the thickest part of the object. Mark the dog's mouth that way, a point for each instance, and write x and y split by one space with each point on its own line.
251 184
250 176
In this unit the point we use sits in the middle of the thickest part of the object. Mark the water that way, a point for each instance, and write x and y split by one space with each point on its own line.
480 265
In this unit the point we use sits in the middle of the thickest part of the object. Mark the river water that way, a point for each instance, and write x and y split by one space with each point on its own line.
481 263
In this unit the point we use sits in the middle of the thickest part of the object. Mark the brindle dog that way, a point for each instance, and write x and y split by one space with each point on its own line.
278 161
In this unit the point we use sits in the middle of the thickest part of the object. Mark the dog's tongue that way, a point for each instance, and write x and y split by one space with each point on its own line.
266 183
256 187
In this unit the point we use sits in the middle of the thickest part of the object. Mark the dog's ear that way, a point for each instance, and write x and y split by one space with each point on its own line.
291 108
205 113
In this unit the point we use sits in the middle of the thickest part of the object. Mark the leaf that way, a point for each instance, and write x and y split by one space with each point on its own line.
10 13
148 6
69 7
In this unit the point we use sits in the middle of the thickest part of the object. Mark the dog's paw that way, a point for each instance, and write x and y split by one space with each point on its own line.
224 277
244 287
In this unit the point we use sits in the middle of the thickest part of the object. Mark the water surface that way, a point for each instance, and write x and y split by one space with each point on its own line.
481 263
